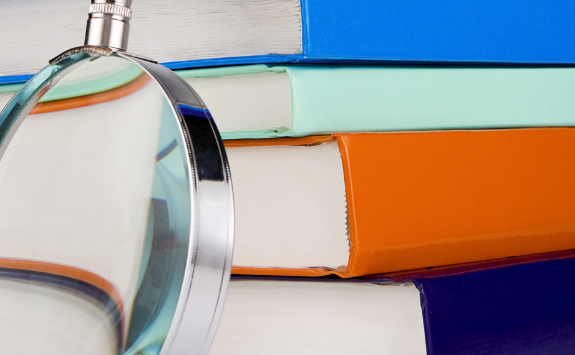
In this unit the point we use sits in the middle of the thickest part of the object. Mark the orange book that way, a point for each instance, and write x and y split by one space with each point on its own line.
426 199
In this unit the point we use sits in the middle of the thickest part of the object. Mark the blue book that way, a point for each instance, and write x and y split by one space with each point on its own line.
224 32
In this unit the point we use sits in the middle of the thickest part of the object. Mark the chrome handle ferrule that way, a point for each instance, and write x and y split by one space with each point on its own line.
109 24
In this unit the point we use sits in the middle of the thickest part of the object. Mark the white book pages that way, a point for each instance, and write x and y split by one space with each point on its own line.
35 31
290 206
310 318
42 319
246 102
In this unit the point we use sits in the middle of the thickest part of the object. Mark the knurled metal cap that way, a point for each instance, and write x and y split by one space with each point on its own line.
111 9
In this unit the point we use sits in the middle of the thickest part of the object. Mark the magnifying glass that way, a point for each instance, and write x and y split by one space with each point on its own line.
116 206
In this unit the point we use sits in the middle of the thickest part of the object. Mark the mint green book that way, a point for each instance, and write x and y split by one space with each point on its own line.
262 101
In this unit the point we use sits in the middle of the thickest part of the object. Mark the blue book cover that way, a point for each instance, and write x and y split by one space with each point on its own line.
500 31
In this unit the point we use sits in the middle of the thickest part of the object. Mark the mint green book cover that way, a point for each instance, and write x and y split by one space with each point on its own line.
327 99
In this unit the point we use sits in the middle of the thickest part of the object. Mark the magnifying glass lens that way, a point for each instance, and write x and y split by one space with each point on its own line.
95 212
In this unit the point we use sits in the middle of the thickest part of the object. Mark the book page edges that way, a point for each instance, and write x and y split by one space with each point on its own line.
311 140
280 141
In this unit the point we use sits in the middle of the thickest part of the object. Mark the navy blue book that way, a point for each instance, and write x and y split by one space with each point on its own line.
230 32
520 306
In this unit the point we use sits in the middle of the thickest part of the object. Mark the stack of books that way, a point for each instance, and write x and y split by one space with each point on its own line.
404 172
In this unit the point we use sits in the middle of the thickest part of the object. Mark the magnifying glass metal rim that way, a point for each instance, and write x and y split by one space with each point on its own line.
208 264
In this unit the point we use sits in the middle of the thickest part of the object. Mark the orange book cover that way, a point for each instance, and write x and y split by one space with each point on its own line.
428 199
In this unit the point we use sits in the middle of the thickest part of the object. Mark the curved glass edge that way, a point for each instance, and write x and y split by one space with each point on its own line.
162 276
200 304
171 192
26 97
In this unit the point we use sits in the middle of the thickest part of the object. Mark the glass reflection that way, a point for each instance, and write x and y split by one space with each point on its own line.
94 215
